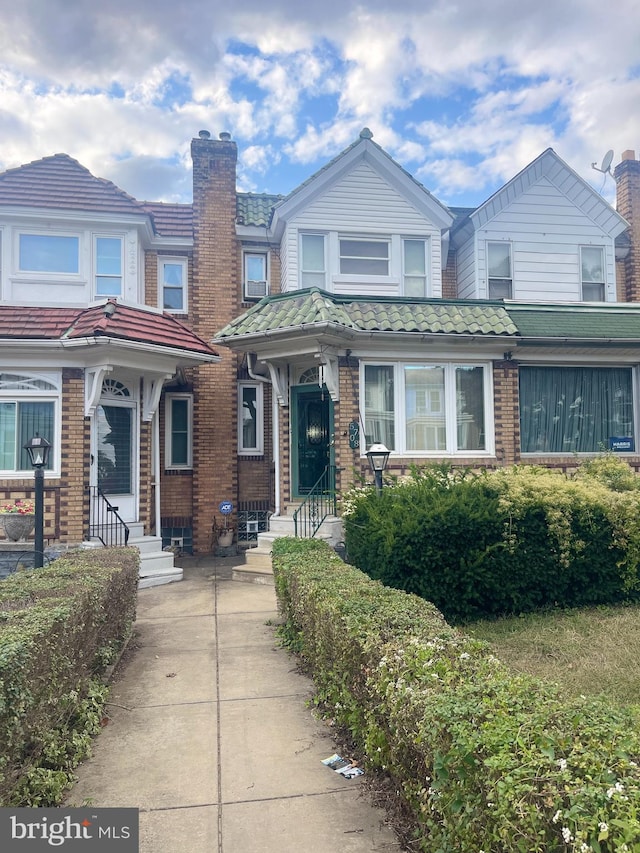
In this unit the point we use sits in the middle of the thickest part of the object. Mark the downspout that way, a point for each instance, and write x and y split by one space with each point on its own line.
156 471
275 431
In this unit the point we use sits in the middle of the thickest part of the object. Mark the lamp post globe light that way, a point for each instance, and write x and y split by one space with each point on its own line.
38 449
378 456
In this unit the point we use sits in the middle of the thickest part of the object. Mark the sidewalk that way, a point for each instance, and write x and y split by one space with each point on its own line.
211 738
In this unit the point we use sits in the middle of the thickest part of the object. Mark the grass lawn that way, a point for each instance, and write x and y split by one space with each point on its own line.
590 651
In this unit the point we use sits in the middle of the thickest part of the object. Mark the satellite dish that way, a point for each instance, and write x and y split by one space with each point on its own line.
606 161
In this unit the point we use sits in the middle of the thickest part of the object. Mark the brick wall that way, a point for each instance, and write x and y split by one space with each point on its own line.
627 175
215 301
506 407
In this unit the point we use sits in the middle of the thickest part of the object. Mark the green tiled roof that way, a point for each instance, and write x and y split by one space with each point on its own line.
577 322
363 314
255 208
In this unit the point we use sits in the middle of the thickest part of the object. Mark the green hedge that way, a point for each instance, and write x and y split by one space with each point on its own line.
484 760
60 627
507 541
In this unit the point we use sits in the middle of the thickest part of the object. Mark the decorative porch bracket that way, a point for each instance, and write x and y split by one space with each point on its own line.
93 379
330 374
279 382
151 391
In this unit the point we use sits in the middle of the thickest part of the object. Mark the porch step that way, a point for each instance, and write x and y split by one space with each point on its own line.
156 566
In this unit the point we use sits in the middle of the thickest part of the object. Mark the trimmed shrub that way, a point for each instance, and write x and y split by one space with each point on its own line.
507 541
483 760
60 627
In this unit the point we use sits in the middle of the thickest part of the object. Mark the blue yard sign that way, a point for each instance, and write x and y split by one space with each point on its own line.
226 507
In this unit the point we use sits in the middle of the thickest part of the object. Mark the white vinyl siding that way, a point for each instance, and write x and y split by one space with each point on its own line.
362 205
546 230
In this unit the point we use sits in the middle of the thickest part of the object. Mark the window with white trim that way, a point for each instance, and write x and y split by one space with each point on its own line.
178 431
414 267
250 418
313 261
29 404
49 253
256 275
499 271
108 266
364 256
592 273
172 283
418 409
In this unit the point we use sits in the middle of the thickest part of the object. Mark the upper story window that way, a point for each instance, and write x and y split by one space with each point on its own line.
172 282
312 261
108 253
54 253
256 280
499 271
28 405
364 256
414 267
592 273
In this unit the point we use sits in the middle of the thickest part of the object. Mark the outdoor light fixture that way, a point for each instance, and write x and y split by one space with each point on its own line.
378 457
38 449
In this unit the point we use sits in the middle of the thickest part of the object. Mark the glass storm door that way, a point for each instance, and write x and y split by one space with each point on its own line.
115 455
312 436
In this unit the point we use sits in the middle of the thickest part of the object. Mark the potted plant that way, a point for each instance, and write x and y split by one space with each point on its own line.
17 518
223 531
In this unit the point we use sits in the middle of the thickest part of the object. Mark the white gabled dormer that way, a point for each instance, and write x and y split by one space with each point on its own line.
362 225
545 236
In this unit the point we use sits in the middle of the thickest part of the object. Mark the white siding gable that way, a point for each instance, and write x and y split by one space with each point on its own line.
361 204
546 230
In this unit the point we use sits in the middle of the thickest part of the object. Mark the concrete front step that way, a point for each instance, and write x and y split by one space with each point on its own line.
156 566
252 574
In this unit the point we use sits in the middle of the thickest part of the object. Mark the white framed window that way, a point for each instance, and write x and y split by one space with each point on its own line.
256 275
364 256
592 273
108 265
172 284
49 253
414 267
499 270
443 408
29 404
178 431
313 263
250 418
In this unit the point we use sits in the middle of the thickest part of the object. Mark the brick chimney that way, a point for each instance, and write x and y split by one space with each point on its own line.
627 175
215 301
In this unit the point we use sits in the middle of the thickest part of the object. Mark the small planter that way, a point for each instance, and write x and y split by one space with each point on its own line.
225 538
17 526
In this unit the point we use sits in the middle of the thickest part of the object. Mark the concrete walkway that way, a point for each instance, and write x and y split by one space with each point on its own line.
211 738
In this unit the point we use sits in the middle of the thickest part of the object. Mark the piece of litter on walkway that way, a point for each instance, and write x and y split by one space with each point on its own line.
346 768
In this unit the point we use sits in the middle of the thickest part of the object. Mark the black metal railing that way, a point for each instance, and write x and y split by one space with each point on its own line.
318 504
106 523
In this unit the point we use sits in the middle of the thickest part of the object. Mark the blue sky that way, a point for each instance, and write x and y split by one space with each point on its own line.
463 95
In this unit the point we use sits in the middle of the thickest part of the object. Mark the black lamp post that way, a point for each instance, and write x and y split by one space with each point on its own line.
378 457
38 449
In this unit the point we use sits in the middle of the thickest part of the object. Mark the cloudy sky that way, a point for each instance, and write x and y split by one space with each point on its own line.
463 94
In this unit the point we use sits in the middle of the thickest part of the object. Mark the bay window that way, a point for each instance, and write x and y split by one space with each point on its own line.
438 408
575 409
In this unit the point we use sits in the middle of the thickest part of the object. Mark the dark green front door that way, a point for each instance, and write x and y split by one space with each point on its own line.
312 436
